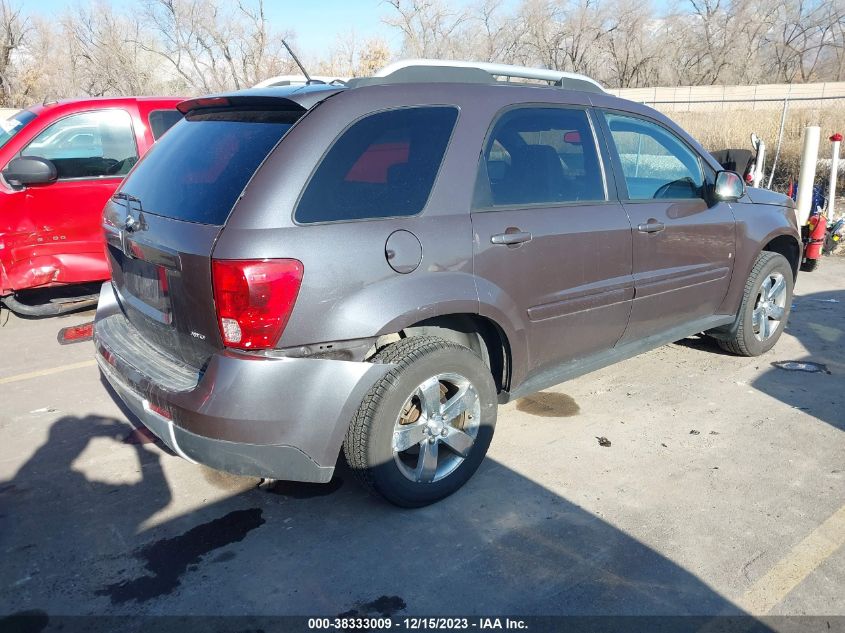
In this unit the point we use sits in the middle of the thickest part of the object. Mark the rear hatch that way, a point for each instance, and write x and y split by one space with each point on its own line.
163 223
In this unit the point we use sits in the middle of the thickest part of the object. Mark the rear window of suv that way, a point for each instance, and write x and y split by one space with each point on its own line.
198 170
382 166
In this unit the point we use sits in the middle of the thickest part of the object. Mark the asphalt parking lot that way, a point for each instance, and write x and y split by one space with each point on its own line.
722 491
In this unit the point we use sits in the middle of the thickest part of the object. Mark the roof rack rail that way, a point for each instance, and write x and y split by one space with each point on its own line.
300 80
559 78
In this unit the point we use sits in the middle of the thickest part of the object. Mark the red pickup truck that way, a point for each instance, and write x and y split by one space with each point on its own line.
60 162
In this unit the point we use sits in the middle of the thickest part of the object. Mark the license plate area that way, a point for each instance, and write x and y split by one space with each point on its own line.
143 285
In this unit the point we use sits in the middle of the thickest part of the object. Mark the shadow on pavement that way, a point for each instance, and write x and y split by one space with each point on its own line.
502 545
46 296
818 322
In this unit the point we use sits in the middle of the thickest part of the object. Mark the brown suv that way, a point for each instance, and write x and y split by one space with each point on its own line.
374 267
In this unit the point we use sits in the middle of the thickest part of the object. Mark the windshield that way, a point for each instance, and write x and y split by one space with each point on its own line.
14 124
197 171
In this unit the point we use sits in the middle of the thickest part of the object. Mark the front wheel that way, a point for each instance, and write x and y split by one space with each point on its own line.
424 428
765 306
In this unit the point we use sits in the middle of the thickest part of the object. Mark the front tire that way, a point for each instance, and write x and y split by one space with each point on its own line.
765 306
424 428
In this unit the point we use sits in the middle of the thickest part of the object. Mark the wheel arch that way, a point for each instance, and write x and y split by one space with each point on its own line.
787 246
480 334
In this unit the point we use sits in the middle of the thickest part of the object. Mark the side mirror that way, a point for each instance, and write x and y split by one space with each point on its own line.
729 186
30 170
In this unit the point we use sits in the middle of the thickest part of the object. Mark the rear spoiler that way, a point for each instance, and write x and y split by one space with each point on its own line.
296 100
218 103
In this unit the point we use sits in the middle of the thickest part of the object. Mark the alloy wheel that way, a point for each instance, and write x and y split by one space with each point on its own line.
436 428
770 306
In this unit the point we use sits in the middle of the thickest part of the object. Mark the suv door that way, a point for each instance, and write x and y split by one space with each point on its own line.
548 236
683 242
92 152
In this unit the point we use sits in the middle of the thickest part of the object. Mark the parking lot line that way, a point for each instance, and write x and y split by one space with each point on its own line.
46 372
801 561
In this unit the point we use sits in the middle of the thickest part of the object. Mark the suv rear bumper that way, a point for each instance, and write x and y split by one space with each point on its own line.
281 418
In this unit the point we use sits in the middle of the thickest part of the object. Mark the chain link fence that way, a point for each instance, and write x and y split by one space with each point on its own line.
724 117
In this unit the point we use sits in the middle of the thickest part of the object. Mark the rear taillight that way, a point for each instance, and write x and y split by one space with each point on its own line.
254 299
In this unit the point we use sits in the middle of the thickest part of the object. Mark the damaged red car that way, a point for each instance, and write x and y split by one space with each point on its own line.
60 163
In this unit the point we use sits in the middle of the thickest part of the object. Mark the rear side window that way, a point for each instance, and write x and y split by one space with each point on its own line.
163 120
382 166
88 145
199 169
541 156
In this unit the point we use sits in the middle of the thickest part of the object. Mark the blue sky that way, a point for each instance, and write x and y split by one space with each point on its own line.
316 22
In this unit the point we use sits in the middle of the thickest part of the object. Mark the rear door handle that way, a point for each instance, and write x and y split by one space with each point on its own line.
651 227
509 239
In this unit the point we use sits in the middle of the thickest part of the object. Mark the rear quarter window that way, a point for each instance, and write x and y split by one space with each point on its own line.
382 166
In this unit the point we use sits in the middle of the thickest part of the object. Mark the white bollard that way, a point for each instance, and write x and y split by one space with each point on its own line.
758 166
836 139
807 175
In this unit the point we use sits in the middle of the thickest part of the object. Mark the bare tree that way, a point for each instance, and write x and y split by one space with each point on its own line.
805 33
374 55
349 57
583 31
13 31
499 36
109 52
710 34
429 28
633 44
213 47
542 35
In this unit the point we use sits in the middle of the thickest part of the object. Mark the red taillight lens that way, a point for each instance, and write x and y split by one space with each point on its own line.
76 333
254 299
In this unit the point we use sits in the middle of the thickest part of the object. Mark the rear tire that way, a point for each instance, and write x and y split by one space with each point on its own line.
765 306
403 442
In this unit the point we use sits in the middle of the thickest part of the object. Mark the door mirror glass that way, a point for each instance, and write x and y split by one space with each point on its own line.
30 170
729 186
